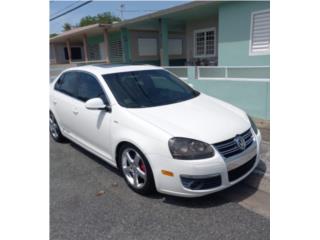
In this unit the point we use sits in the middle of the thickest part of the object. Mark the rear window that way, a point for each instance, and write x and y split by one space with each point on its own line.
67 84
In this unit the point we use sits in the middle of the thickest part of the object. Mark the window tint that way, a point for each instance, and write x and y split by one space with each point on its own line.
148 88
89 88
68 83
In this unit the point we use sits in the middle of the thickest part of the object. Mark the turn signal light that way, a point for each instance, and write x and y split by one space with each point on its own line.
167 173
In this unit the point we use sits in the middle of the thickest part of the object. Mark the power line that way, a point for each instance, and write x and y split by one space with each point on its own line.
71 10
65 8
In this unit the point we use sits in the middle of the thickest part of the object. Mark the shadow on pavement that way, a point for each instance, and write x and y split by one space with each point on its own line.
236 193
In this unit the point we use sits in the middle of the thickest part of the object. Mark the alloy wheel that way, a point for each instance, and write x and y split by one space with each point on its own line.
134 168
54 129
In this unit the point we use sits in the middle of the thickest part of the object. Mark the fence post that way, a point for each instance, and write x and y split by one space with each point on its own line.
191 73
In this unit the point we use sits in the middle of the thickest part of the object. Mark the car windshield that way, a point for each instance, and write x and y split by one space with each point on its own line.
148 88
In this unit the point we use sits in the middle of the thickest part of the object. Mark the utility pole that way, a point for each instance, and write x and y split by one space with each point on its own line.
121 11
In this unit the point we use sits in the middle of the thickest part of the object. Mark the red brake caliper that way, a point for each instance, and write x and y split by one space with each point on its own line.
142 166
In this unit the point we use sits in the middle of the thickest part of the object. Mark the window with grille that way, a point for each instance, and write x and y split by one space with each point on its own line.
205 42
115 48
260 33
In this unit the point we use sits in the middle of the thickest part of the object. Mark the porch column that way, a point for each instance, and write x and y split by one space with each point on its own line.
69 51
55 51
85 47
106 45
126 44
164 55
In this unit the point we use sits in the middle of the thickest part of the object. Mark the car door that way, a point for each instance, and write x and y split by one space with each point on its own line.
92 127
64 100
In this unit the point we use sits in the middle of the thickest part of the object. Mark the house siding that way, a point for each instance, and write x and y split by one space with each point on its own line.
234 34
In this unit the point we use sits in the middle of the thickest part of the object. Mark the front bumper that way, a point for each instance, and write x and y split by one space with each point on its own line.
231 171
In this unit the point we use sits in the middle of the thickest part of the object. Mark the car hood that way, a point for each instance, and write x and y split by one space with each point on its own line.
203 118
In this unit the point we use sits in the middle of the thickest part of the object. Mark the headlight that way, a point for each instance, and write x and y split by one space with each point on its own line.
253 125
185 148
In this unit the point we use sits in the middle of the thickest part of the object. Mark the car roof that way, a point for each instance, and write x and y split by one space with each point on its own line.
101 69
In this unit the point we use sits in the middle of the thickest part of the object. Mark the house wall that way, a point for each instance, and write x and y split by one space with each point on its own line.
191 26
59 53
52 54
234 34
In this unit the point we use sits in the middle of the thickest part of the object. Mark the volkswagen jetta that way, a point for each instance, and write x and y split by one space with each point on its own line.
161 133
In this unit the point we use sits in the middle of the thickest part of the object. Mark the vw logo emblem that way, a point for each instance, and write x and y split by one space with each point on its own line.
241 143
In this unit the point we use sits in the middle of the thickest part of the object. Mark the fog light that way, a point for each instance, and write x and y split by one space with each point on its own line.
167 173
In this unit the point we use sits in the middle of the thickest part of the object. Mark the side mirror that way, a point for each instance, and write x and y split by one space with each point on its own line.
96 104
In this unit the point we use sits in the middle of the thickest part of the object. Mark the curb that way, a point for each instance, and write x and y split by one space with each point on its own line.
259 181
260 177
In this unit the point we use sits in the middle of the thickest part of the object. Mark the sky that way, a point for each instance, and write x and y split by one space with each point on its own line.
132 9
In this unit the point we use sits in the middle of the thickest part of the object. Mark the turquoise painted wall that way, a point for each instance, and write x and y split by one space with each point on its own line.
252 97
93 40
234 34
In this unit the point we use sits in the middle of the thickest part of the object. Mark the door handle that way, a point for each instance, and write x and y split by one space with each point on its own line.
75 111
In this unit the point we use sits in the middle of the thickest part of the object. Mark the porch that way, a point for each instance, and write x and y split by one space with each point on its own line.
175 37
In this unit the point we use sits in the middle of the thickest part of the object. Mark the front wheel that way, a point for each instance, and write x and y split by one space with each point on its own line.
136 170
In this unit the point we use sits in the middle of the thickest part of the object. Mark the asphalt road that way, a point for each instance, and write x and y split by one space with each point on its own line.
77 212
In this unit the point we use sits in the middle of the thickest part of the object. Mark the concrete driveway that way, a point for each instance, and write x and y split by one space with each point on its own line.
90 200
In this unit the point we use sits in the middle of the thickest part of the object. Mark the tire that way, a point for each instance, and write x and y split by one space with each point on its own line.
133 165
54 129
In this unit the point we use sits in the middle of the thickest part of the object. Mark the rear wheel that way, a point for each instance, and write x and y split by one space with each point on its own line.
136 170
54 129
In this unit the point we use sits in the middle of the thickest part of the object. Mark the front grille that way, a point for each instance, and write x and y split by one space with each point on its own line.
238 172
201 183
230 148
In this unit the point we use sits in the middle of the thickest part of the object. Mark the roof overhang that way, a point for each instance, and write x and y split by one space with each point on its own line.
160 14
77 33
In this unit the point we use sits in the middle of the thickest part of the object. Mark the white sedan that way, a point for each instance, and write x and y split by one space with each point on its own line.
161 133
